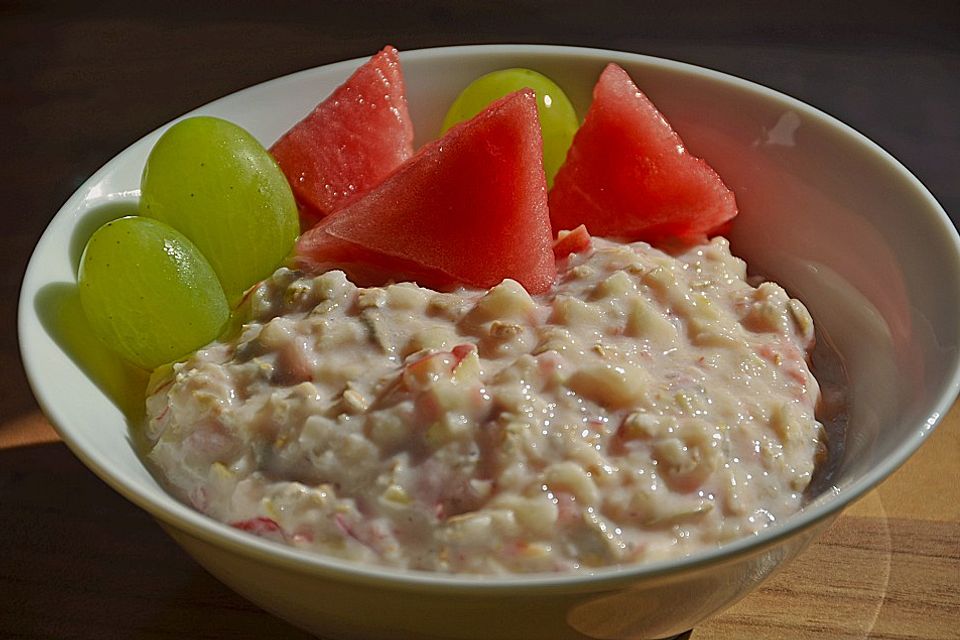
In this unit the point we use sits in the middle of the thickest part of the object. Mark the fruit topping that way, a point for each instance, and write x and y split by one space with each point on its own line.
629 175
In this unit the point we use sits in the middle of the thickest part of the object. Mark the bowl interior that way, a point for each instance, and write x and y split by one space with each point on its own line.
824 211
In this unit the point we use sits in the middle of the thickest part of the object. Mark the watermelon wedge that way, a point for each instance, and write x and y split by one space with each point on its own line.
351 141
629 175
469 208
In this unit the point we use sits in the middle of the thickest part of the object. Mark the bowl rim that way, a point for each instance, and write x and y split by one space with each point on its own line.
184 519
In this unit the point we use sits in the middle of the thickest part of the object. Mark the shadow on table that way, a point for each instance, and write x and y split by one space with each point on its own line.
79 561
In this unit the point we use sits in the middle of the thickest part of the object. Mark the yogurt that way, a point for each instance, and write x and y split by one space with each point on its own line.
648 406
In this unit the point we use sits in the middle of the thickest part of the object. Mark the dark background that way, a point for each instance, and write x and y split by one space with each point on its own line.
79 82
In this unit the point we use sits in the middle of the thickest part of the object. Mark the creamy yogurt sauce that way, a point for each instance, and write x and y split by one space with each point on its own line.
649 406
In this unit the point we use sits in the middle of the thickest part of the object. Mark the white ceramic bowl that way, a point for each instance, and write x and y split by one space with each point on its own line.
824 211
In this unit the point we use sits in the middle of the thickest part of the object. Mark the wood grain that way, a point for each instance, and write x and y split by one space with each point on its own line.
81 80
87 564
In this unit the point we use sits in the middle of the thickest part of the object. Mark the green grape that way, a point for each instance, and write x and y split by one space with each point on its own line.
216 184
558 120
148 293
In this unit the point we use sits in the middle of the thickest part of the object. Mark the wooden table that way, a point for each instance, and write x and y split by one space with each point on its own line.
81 562
80 81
